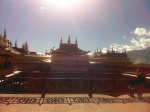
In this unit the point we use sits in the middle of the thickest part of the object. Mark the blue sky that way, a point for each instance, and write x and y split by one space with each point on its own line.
123 24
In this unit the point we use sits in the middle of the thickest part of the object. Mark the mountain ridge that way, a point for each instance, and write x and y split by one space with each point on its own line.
140 56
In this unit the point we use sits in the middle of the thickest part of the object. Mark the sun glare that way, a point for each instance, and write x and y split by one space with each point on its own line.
63 3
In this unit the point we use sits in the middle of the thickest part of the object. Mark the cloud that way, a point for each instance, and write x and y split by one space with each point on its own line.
89 54
142 32
144 42
136 44
121 47
104 50
140 42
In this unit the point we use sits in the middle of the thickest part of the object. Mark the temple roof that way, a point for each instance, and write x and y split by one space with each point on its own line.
112 53
66 48
21 50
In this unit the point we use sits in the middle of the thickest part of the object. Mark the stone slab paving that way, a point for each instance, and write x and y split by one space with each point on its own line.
73 103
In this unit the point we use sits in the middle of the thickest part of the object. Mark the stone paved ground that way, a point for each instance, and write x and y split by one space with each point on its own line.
72 103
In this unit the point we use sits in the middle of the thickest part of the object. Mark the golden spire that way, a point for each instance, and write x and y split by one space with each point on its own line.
16 43
69 40
61 40
76 41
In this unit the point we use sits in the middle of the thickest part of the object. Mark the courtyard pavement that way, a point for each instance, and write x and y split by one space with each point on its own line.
73 103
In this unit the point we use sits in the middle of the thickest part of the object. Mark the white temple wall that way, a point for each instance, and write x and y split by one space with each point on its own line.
70 63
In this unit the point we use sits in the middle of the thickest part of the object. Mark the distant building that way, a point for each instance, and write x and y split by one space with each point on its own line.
110 57
48 53
23 50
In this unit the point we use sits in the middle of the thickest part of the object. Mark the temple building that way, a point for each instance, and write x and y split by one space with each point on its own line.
70 70
6 55
68 57
110 57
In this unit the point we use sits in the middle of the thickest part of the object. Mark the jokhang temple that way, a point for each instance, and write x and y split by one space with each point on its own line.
67 69
69 58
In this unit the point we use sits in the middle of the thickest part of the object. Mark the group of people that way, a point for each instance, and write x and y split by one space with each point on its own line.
138 86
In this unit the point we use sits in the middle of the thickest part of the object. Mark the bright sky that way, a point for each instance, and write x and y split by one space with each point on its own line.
96 23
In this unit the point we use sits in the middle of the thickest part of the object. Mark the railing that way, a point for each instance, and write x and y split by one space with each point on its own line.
55 85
